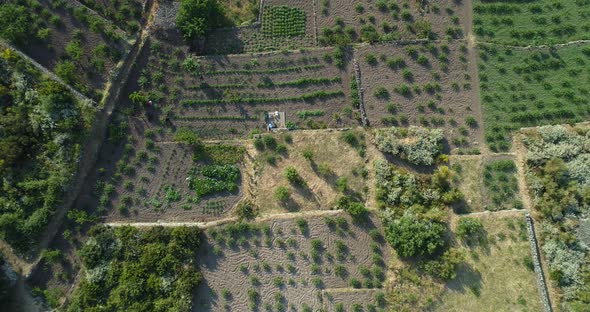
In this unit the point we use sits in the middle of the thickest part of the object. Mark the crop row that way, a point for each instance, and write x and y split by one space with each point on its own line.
303 97
270 84
264 71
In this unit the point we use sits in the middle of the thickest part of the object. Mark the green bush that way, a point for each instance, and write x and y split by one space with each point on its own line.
411 236
197 17
293 177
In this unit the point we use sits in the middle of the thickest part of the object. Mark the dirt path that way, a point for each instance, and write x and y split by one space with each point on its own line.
205 225
487 212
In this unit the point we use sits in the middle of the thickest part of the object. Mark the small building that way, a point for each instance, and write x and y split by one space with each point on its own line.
275 121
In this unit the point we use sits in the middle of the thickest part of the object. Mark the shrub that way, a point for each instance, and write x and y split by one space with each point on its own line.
196 17
381 93
293 177
371 59
423 149
302 225
470 228
411 236
282 194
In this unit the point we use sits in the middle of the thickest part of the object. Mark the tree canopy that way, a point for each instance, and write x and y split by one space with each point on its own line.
197 17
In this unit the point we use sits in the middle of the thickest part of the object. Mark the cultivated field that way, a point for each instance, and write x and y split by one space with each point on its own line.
428 84
81 47
227 96
380 20
325 177
291 263
531 87
531 22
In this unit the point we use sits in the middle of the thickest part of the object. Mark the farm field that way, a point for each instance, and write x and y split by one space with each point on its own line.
294 263
531 87
468 179
531 22
68 39
227 96
428 85
342 21
126 14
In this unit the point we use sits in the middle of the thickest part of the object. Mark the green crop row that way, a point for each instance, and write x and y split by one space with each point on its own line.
304 97
264 71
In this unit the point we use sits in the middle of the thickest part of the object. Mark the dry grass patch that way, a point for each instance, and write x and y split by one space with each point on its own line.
468 179
332 168
500 275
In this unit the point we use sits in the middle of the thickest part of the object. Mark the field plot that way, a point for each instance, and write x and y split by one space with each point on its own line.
169 180
468 178
531 22
289 263
79 46
501 186
531 87
317 158
342 21
228 96
127 14
285 24
429 85
499 275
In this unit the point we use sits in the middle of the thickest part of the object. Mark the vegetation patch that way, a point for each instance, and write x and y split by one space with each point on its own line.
42 127
531 87
283 21
130 269
417 145
558 168
531 22
501 185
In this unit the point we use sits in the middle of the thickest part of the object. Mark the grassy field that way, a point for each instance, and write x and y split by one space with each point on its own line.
531 22
498 276
241 12
501 185
523 88
469 181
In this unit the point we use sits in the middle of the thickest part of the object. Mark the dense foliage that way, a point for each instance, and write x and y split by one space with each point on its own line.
283 21
126 269
197 17
417 145
414 214
42 127
558 164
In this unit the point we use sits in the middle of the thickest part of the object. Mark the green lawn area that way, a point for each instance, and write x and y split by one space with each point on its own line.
531 22
532 87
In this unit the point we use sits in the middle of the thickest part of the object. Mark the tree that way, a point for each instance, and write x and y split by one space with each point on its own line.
470 228
411 236
197 17
15 23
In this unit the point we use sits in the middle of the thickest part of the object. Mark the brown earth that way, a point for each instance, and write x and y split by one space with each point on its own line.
346 10
449 104
223 271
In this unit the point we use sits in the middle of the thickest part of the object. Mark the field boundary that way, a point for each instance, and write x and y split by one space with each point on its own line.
205 225
539 274
359 87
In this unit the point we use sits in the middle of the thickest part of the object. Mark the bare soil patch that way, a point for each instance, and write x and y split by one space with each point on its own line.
277 262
